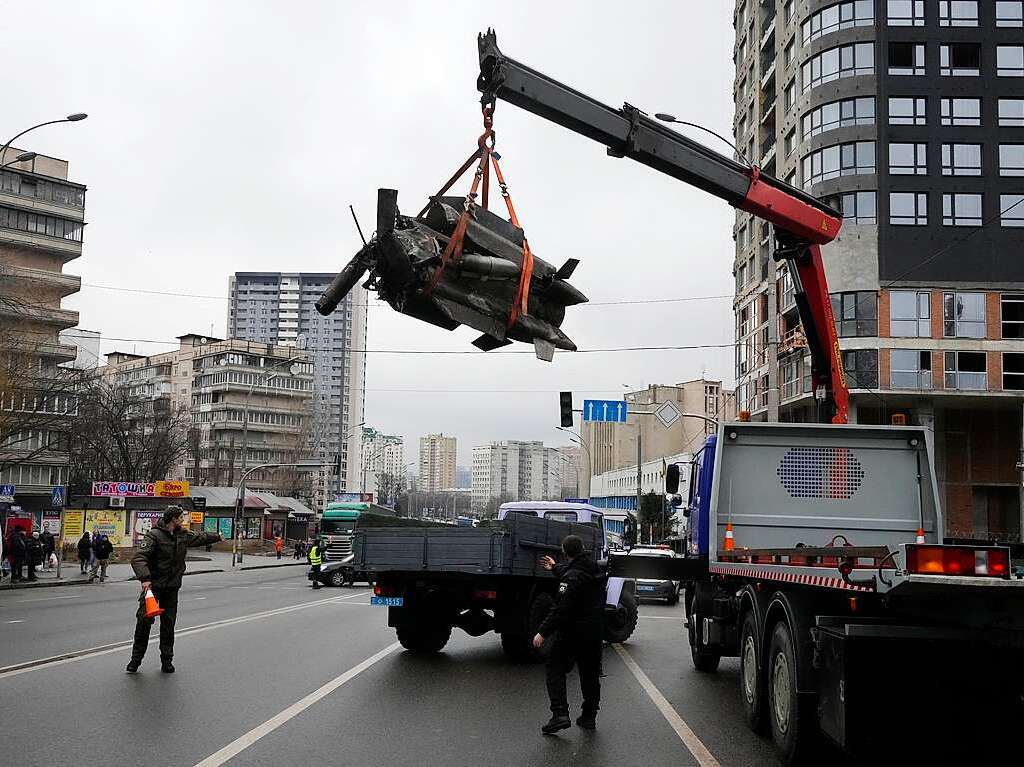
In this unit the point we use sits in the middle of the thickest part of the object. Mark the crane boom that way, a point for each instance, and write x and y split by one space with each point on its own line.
802 222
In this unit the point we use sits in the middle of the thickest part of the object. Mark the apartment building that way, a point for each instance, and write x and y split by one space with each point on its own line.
437 463
383 456
513 470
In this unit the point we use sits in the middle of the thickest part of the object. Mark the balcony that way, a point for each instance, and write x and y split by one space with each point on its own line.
44 315
64 284
792 341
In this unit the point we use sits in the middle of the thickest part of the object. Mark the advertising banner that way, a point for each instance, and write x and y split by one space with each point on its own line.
225 528
143 521
166 489
161 489
73 524
210 524
108 522
196 518
353 497
51 522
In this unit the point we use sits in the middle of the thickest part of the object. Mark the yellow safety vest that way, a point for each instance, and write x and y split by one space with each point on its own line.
315 557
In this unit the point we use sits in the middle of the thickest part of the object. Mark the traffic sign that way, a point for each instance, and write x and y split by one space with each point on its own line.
57 497
605 410
7 493
668 414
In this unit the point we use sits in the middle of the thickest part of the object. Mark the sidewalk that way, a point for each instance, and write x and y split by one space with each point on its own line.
198 563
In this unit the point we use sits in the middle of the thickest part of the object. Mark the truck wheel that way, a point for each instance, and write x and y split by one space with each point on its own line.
338 578
673 600
790 715
705 659
752 686
619 624
424 640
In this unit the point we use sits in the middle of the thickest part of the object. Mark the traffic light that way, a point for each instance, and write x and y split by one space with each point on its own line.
565 405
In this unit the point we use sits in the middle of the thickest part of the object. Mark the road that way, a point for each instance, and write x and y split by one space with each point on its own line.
271 672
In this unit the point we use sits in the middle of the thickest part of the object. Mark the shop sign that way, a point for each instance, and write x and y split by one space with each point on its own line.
160 489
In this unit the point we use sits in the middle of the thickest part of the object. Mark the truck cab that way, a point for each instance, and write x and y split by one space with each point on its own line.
697 508
583 513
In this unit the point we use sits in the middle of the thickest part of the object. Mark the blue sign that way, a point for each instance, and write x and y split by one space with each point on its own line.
7 493
577 500
606 410
57 497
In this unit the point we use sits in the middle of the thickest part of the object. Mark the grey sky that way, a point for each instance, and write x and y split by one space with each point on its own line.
231 136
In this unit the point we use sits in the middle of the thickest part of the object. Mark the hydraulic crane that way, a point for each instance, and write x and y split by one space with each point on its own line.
802 223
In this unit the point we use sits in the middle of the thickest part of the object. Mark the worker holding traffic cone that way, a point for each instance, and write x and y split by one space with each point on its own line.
159 564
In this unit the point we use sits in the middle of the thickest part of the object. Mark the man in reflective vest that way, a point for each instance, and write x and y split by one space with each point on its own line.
316 558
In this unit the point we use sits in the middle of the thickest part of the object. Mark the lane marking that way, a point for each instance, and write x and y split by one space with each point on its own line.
198 598
46 599
660 618
14 621
94 652
239 745
686 735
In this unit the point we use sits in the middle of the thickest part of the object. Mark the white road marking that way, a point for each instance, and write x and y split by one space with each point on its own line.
47 599
686 735
239 745
14 621
660 618
198 598
75 655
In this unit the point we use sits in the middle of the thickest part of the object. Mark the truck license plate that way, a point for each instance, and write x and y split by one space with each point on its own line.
387 601
645 588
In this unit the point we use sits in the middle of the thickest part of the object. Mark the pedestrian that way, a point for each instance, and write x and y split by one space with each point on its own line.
84 551
316 558
278 545
33 554
159 564
19 551
49 546
297 554
102 548
574 625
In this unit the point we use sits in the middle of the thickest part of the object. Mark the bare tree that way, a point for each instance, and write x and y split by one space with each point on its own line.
388 487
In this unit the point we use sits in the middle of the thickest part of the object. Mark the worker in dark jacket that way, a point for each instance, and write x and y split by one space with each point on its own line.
159 564
574 625
16 553
102 548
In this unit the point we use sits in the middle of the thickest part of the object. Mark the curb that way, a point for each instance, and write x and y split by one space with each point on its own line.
85 582
267 567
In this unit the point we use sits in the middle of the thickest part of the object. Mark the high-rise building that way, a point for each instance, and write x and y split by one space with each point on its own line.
908 116
610 446
512 470
41 223
383 465
569 457
278 308
240 394
87 348
437 463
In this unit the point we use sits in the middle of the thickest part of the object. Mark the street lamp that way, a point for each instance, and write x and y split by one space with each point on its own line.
72 118
23 157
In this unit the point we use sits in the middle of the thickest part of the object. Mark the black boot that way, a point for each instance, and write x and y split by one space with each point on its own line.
555 723
587 721
133 665
166 666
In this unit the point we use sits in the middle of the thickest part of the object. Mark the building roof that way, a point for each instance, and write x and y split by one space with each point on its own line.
225 497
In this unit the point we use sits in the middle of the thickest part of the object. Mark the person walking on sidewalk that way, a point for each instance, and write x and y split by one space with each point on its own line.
159 564
49 546
33 554
84 551
297 554
279 545
102 548
18 552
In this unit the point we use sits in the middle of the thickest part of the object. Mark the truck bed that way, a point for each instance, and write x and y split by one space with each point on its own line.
513 546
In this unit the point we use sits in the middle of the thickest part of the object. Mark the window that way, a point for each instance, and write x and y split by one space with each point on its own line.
858 208
1010 60
1011 159
1013 315
906 13
856 314
907 111
839 16
911 369
834 63
961 111
787 55
963 315
1011 209
910 314
790 95
37 223
958 13
960 60
1009 14
961 210
908 208
961 159
790 142
787 11
906 59
966 370
1011 113
861 368
841 160
908 159
839 114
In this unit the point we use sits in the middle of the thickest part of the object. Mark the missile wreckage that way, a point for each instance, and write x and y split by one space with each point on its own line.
479 289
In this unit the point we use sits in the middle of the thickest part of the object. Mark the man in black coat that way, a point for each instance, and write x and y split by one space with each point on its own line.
575 626
49 547
84 551
18 551
33 554
159 564
102 548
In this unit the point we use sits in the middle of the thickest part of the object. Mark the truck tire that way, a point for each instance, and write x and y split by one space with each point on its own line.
620 624
790 715
337 578
705 659
752 685
424 639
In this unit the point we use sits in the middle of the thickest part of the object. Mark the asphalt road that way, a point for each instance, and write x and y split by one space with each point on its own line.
271 672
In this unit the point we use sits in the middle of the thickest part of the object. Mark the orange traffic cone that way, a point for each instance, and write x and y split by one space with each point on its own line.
920 535
153 609
730 544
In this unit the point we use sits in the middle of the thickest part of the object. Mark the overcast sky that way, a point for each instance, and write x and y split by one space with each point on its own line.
231 136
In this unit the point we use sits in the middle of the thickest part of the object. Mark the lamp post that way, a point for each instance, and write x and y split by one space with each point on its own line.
590 460
23 157
71 118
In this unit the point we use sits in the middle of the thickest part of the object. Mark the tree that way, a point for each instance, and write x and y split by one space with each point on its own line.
124 435
389 486
656 517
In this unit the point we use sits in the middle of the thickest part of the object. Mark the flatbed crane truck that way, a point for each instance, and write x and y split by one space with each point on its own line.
814 552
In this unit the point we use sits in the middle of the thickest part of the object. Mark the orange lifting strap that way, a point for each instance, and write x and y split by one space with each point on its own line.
482 180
